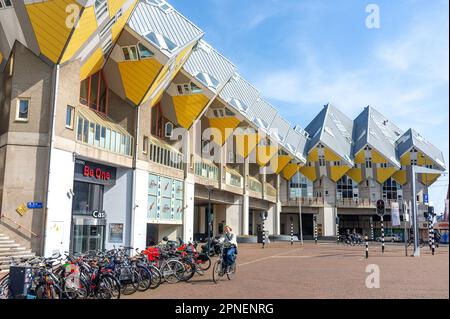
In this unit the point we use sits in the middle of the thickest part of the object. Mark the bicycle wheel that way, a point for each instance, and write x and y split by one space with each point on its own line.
108 287
145 278
204 262
156 277
47 291
74 289
218 271
232 272
173 271
4 288
189 270
129 280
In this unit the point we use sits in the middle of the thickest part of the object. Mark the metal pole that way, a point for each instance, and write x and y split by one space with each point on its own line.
405 232
433 247
367 247
264 233
414 213
300 217
337 228
292 232
382 234
429 232
209 221
372 235
315 228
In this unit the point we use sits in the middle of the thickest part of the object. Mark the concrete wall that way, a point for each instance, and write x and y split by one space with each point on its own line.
139 224
117 203
59 206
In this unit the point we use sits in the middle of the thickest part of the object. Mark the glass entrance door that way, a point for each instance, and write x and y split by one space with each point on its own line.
88 237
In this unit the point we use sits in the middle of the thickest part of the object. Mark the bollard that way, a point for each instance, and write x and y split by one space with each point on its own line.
433 246
292 233
372 234
315 229
382 235
264 234
367 247
429 234
337 233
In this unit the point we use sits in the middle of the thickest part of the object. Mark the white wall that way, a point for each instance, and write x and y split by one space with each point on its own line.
59 205
188 213
139 229
232 217
117 203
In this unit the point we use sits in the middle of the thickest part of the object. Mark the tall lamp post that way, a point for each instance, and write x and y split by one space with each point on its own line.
300 209
208 245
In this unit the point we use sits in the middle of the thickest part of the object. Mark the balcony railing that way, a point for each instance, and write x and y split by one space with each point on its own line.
269 190
207 170
164 154
308 201
254 185
233 178
101 132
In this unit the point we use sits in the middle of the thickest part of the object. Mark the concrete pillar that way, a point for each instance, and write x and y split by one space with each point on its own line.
245 214
278 208
139 220
327 221
202 220
188 214
233 217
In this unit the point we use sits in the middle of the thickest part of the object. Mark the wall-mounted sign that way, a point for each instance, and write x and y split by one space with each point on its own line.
22 209
34 205
94 173
116 233
99 215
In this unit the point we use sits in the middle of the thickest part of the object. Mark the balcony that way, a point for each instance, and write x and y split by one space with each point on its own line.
270 191
254 187
308 202
206 173
97 130
233 178
164 154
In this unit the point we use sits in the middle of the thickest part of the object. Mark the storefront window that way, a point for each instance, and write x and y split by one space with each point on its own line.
87 198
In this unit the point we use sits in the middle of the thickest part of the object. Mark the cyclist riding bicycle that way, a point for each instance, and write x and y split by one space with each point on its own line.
230 247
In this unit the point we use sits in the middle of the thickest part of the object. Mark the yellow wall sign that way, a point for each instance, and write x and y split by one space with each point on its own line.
22 209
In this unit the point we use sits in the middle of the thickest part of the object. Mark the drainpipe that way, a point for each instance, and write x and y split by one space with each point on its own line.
133 189
54 97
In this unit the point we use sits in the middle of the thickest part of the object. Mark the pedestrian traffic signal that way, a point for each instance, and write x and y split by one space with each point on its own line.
380 207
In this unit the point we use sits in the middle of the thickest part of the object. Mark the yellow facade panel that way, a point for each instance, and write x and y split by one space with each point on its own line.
290 170
378 158
279 162
331 156
355 174
309 172
137 76
86 26
120 23
313 155
400 177
428 179
92 65
49 21
188 108
360 157
264 154
383 174
225 125
405 160
246 143
336 172
114 5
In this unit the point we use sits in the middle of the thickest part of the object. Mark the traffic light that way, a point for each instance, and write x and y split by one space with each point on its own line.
380 207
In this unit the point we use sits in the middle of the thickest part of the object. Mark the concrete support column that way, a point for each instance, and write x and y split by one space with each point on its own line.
327 221
245 214
188 213
278 208
139 220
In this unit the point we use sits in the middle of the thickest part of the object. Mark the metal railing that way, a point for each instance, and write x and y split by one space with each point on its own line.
206 170
165 155
269 190
19 225
254 185
233 178
308 201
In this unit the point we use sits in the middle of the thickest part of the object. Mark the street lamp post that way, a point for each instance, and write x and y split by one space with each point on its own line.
300 211
208 245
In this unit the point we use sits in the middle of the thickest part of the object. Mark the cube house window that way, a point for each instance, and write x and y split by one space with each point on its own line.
69 116
23 108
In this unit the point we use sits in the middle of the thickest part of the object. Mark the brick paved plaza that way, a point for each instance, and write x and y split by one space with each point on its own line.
320 271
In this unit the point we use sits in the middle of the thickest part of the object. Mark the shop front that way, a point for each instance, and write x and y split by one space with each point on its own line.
100 206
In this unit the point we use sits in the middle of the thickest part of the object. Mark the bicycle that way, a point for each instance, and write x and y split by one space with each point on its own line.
220 269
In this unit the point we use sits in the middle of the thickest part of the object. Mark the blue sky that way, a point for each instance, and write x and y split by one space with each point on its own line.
303 54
